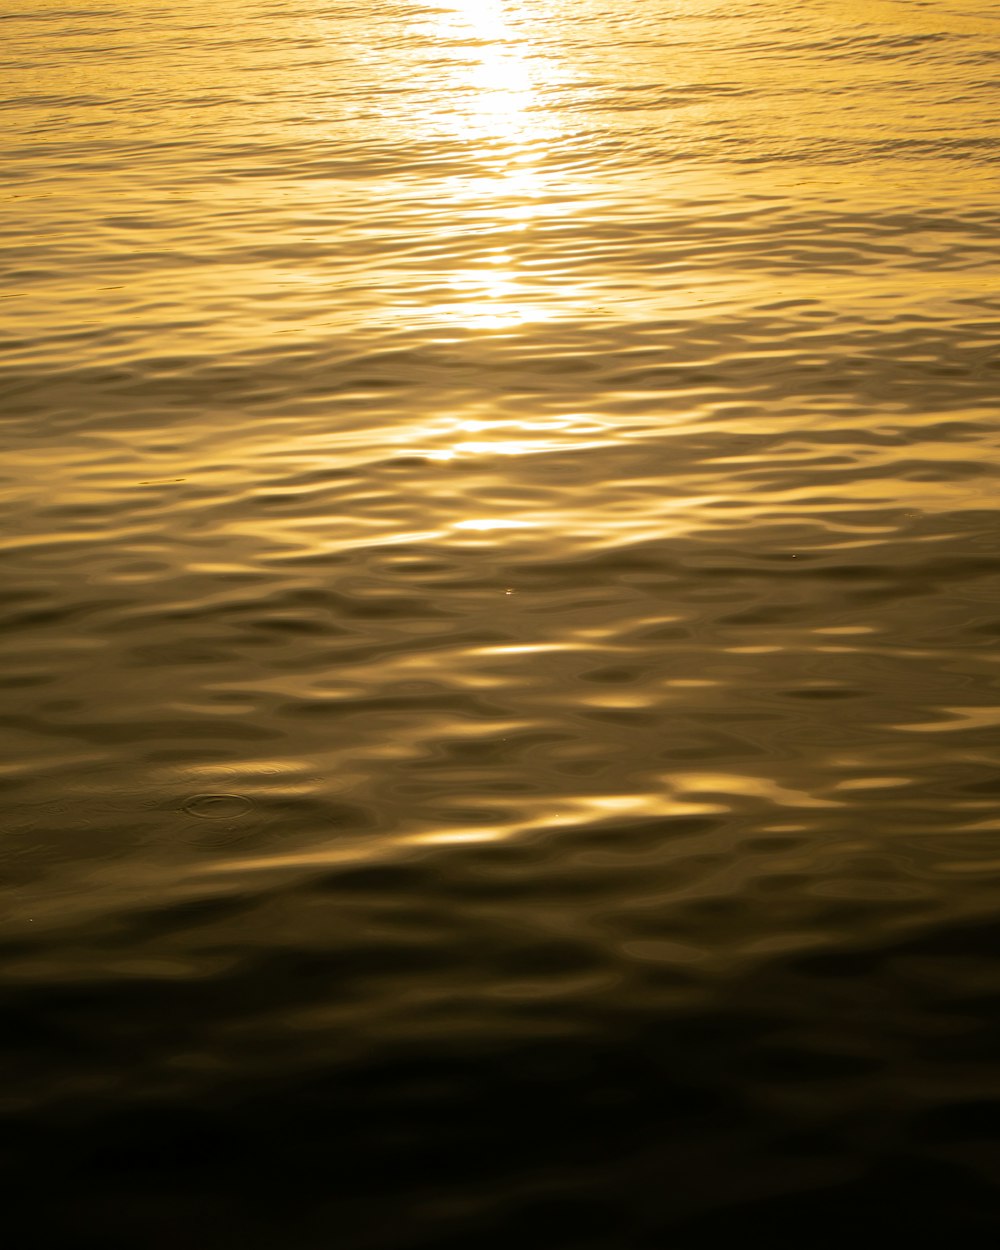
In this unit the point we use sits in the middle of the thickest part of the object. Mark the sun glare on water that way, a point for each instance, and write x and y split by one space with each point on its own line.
492 92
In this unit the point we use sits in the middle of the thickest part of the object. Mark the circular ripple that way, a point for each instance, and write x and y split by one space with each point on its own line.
217 806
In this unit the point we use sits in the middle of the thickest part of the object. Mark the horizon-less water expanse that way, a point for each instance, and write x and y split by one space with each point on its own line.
500 622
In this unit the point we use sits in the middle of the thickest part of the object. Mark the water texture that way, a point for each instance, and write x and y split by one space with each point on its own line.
500 622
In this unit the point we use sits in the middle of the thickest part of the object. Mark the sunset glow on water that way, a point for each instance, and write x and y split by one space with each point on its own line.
500 622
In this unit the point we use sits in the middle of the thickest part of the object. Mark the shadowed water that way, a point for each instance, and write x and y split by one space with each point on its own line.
500 618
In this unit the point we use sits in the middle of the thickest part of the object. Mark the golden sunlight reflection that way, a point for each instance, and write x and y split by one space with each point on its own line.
446 438
494 86
717 784
495 107
492 523
485 299
554 813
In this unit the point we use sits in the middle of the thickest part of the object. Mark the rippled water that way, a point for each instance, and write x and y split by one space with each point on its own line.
500 621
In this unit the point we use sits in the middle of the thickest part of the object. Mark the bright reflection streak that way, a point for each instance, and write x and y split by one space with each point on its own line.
536 437
444 836
496 109
492 523
498 88
555 813
508 448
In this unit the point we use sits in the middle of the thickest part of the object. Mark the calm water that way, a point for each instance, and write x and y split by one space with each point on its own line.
501 621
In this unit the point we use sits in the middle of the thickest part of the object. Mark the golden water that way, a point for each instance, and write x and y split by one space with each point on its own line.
500 606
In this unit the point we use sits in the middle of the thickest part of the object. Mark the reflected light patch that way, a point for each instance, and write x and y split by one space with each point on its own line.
874 783
529 648
497 82
486 16
958 718
495 90
574 425
750 787
564 812
441 837
509 448
490 300
492 523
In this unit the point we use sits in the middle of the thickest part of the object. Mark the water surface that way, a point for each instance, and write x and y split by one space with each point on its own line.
500 620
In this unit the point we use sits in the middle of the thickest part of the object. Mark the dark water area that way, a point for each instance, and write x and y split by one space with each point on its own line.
500 623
